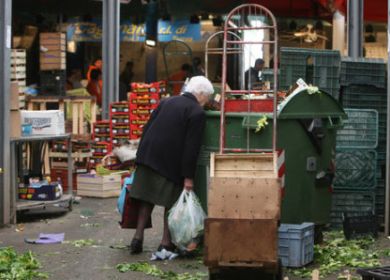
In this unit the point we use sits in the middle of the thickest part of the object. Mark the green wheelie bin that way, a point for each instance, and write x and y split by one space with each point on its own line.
306 132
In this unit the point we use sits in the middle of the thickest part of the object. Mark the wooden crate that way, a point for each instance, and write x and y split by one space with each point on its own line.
53 60
244 198
62 175
77 102
53 41
241 243
99 186
243 165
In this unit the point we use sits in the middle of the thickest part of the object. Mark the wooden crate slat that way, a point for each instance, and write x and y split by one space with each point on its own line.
243 174
229 242
244 198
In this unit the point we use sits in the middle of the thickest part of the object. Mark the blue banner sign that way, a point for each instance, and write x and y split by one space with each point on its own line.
129 32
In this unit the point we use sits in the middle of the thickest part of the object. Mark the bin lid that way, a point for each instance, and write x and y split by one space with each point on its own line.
310 103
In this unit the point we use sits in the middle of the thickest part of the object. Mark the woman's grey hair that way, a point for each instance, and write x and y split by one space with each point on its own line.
200 85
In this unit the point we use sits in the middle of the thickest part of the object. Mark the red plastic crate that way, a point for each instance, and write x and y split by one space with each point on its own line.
101 138
62 174
144 99
101 148
101 127
135 120
95 160
140 87
237 105
118 139
120 118
141 112
120 129
136 130
150 107
62 146
119 107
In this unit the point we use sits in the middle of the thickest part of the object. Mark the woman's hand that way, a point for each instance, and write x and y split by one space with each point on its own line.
188 184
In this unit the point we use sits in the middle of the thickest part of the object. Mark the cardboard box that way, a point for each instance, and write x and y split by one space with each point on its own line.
14 96
55 56
44 36
53 41
52 66
15 124
53 60
99 186
50 122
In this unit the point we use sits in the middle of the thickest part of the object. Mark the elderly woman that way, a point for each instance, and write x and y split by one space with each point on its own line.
167 156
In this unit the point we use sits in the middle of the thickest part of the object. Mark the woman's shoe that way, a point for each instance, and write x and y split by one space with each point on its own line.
136 246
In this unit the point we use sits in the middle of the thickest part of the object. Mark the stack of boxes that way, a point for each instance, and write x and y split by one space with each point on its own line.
363 86
52 63
101 131
99 151
101 142
15 117
58 160
144 98
127 120
119 123
356 159
18 74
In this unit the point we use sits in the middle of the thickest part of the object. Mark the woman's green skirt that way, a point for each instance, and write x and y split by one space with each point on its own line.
151 187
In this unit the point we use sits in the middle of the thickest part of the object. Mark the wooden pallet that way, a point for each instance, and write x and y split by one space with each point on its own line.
40 103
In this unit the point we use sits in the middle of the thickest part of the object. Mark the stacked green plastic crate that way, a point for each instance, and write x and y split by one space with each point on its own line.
363 86
356 159
320 68
356 165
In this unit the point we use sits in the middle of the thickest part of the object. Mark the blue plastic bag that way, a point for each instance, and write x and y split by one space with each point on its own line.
121 199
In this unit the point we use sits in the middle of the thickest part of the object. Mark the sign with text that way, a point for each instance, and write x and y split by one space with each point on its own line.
129 32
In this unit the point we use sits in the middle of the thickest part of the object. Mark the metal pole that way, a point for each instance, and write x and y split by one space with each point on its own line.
387 194
5 46
151 26
355 28
111 16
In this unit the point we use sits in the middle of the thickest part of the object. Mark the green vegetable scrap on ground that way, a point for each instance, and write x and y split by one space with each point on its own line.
337 253
81 243
14 266
153 270
87 225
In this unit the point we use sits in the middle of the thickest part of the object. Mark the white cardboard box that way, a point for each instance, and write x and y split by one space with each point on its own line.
50 122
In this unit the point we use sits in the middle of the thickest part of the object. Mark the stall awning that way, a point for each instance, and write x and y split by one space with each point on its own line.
373 10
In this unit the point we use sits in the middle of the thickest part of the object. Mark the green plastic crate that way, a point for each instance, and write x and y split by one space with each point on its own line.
318 67
355 170
363 71
351 203
360 130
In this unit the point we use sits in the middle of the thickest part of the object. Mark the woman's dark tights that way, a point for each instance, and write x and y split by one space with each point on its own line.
145 211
